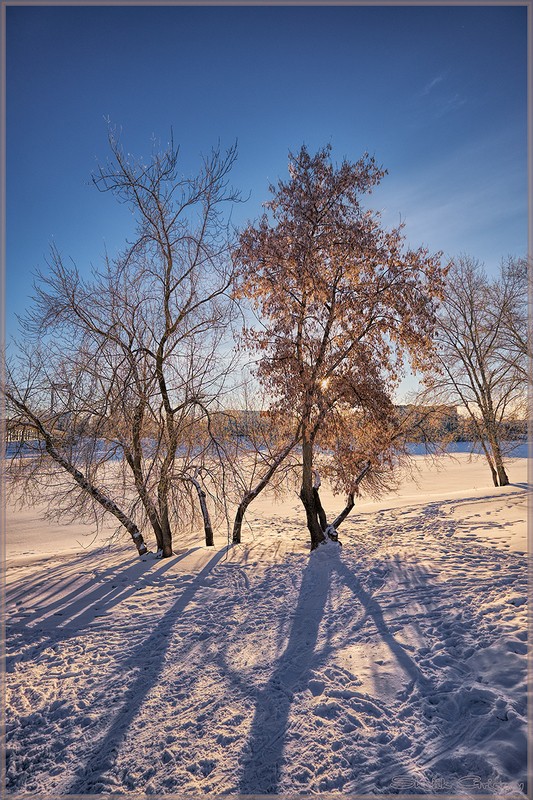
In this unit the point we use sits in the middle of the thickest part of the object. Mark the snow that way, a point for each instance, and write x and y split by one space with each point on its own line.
395 664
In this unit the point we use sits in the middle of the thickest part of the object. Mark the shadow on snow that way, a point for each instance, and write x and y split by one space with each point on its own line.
156 645
264 759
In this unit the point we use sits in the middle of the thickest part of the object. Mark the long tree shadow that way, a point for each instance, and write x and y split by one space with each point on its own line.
65 616
263 764
264 752
374 610
47 590
262 767
47 580
151 654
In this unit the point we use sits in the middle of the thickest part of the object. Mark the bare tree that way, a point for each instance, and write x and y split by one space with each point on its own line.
509 308
141 345
481 353
340 302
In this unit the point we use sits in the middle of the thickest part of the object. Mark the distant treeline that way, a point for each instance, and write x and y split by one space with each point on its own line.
421 424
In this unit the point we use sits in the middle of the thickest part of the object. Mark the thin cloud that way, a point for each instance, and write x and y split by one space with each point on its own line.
452 103
457 205
431 85
441 102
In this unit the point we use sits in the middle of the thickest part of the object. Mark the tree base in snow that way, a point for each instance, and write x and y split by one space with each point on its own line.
332 534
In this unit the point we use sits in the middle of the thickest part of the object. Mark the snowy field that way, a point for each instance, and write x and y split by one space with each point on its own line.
393 665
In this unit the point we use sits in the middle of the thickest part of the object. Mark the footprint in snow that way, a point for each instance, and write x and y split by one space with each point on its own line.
316 687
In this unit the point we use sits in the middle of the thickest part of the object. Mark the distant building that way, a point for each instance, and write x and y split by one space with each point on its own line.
17 432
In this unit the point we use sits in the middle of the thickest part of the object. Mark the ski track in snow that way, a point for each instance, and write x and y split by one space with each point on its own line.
380 667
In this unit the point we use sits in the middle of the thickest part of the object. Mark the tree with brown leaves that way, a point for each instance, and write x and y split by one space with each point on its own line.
340 301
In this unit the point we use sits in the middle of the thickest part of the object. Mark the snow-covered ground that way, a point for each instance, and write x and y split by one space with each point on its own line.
393 665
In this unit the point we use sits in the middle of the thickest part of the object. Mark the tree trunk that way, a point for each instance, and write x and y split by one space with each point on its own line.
158 533
239 516
503 478
502 475
208 529
166 545
81 480
101 498
313 524
493 435
320 510
350 502
488 456
252 494
146 500
165 548
307 496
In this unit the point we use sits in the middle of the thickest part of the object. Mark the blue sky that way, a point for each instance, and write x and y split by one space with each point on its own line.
437 94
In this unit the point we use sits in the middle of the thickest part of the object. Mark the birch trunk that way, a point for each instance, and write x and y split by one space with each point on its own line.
101 498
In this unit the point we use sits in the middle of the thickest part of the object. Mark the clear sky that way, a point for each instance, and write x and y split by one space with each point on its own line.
437 94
